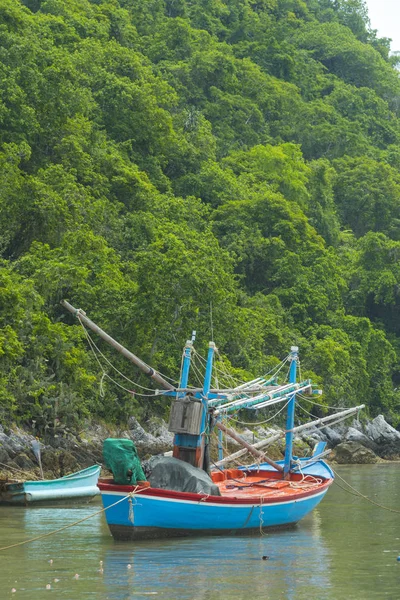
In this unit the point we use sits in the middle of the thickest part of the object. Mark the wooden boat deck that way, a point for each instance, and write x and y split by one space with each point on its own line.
236 483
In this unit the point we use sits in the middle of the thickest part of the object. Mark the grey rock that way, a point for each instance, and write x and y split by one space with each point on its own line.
159 429
264 432
333 436
306 439
357 425
24 462
381 432
4 457
249 436
147 443
354 435
137 434
316 434
354 453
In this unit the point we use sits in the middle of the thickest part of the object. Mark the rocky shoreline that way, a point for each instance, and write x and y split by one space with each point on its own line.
359 443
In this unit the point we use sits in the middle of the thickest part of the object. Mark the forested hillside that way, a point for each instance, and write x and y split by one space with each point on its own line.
229 166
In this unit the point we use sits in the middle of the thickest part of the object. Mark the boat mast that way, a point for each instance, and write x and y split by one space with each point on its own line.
189 414
204 400
184 441
290 414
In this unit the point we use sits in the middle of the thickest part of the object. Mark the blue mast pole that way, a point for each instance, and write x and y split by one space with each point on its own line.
204 400
220 445
186 363
290 414
179 438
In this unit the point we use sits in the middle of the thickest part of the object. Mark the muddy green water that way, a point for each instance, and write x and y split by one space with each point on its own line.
346 549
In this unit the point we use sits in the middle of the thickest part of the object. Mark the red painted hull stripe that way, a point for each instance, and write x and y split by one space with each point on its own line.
159 493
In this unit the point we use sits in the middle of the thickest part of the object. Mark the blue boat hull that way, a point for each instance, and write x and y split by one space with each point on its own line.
155 513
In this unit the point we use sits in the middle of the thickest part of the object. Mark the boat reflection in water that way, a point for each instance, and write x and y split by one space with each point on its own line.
222 567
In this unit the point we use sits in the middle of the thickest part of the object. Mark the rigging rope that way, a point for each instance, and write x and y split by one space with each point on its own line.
93 346
357 493
260 422
196 370
44 535
307 399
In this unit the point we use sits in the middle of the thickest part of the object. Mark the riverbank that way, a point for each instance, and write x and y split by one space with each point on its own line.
359 443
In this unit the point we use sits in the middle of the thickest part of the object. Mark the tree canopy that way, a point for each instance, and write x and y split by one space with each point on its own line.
229 167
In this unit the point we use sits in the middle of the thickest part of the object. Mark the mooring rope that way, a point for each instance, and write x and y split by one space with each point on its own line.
39 537
360 495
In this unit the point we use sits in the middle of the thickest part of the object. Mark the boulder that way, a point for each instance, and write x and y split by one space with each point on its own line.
381 432
24 462
158 428
137 434
265 432
4 457
354 453
148 443
333 437
313 435
249 436
357 425
354 435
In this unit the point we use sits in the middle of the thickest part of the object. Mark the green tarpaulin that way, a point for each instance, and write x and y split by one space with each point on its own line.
121 458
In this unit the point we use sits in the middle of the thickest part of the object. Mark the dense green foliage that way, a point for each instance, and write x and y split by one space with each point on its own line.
229 166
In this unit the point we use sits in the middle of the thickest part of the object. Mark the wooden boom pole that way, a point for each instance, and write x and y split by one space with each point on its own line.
343 414
134 359
249 447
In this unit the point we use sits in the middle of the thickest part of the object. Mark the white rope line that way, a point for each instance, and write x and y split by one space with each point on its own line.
115 368
307 399
306 411
332 423
197 372
93 345
226 376
275 371
225 373
105 374
278 367
287 374
260 422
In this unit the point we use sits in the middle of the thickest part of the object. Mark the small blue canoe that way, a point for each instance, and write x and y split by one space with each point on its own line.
79 486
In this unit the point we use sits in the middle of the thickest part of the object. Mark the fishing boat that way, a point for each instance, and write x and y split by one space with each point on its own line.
250 501
239 500
79 486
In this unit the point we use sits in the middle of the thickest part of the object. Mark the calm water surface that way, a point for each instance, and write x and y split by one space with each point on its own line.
346 549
